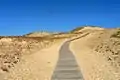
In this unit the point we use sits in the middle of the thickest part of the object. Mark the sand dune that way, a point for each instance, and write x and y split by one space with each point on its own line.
98 55
97 51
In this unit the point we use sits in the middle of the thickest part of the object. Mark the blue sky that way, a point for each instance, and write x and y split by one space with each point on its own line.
19 17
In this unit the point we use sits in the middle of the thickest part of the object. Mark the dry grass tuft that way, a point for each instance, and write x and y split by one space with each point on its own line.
116 35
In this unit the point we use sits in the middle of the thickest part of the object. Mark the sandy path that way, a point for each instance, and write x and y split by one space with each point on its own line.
67 67
37 66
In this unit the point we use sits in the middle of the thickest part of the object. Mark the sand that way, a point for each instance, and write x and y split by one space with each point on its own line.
37 66
92 65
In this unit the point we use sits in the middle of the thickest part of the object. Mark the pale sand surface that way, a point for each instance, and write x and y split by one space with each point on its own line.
37 66
93 66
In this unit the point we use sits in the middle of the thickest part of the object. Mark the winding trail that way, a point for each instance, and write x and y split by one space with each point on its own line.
67 67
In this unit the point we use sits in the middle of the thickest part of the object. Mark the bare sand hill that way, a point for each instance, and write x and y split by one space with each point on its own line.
98 54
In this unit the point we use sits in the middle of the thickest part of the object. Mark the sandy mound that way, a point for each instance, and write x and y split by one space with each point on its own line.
98 54
38 34
86 29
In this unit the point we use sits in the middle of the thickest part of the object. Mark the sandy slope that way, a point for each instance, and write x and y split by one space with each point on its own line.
12 49
37 66
93 65
93 57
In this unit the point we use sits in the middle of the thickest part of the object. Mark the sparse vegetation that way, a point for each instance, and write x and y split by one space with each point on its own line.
12 48
116 35
110 51
80 28
76 29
